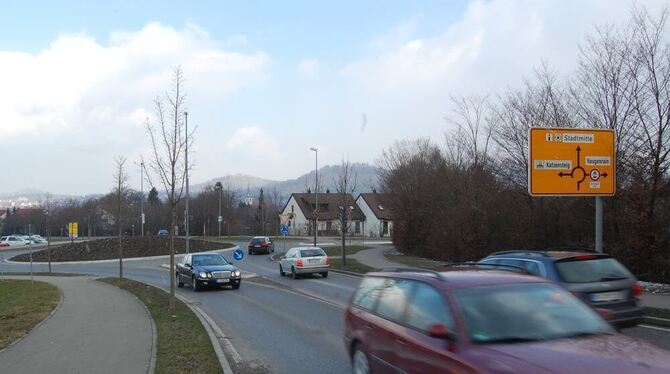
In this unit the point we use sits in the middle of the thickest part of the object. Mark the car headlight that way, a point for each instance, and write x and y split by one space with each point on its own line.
202 274
237 273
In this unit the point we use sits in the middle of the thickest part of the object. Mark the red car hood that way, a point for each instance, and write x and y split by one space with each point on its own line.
611 354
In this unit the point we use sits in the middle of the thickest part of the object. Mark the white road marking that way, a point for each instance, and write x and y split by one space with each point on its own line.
654 328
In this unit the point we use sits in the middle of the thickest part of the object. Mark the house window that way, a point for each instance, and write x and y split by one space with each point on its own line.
385 228
292 208
329 225
358 227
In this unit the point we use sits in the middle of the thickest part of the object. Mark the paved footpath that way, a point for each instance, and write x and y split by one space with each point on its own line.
374 257
98 328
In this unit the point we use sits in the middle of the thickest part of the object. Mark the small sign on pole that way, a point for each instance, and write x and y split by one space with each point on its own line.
220 219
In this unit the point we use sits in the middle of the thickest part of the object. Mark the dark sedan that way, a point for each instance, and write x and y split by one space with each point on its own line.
207 270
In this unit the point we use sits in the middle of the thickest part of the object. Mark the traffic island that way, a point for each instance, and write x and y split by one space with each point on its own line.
108 249
183 345
23 305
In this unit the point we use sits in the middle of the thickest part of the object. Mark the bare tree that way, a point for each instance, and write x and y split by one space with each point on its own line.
168 140
651 95
471 137
120 192
345 186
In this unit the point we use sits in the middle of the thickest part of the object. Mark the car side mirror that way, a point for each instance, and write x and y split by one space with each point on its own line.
605 314
187 266
439 331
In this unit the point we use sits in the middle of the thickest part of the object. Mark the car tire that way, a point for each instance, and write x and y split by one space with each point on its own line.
281 271
294 275
324 274
180 284
236 285
359 361
194 285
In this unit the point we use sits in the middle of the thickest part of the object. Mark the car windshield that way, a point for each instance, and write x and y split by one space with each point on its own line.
591 270
257 240
312 252
209 260
526 312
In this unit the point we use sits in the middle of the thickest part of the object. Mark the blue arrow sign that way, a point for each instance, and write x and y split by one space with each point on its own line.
238 255
284 229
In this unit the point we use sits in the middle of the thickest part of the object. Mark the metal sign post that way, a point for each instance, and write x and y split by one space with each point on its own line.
30 248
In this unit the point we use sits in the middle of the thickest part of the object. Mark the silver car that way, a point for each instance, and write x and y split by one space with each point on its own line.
304 260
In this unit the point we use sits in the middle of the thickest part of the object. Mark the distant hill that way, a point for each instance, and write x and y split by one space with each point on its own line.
366 180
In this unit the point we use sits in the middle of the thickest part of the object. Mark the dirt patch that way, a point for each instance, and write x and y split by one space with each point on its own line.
107 249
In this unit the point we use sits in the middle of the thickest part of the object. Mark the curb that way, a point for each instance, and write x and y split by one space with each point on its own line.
351 273
115 260
60 303
661 322
219 340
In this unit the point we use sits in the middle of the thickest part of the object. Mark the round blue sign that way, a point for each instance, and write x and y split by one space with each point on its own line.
284 229
238 254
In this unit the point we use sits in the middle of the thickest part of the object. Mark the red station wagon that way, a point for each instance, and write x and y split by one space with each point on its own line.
484 321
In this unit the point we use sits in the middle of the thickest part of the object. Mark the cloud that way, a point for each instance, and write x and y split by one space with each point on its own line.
81 100
309 67
255 140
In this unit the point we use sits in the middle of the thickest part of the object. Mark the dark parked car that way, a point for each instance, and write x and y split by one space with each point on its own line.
261 244
484 321
163 233
207 269
596 278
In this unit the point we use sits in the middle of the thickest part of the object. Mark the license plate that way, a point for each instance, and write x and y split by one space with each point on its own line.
607 296
314 261
257 246
222 281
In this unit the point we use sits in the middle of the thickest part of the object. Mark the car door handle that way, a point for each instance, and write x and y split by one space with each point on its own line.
402 343
369 327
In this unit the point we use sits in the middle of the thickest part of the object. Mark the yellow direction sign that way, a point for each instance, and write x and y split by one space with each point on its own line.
571 162
73 228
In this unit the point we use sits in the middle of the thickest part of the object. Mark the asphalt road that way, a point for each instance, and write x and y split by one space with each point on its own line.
277 324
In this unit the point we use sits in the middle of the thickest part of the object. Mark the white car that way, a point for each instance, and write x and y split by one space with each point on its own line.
38 239
304 260
14 241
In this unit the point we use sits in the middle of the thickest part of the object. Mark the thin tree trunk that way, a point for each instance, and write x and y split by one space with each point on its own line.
173 222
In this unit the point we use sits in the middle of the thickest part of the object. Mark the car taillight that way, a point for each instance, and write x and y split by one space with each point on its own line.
637 290
264 244
327 260
299 262
251 244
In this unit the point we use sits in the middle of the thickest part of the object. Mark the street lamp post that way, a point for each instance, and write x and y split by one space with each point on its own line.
142 192
186 225
316 192
220 188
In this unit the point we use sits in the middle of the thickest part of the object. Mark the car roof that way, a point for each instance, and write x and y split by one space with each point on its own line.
555 253
462 278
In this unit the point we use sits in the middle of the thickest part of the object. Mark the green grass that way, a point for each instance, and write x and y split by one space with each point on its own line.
415 261
183 343
352 266
22 306
333 251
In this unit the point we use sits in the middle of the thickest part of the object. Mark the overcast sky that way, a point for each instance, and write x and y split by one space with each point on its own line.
266 80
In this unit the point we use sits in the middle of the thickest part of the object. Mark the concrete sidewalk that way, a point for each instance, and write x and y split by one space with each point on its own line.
656 300
374 257
98 328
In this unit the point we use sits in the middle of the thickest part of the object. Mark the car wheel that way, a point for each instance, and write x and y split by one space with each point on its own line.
236 285
194 285
294 275
281 270
360 364
180 284
324 274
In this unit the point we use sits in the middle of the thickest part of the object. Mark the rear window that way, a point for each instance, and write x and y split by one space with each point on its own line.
316 252
592 270
257 240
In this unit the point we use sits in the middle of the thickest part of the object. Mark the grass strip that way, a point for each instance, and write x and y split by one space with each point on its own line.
415 261
183 343
337 250
22 306
352 266
657 312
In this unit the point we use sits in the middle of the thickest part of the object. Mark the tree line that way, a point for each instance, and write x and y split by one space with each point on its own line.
467 196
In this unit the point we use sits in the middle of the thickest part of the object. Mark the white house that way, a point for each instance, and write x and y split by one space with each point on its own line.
330 209
378 216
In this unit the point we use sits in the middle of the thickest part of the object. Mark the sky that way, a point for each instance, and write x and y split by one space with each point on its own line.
265 80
